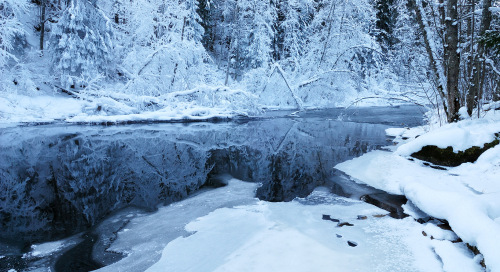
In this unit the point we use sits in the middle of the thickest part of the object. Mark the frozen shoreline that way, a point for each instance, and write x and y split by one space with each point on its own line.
203 104
467 196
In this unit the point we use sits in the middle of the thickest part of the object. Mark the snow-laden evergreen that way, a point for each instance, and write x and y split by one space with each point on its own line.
12 32
81 45
10 27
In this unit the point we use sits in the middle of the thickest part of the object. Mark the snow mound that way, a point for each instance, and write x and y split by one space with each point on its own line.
25 109
460 136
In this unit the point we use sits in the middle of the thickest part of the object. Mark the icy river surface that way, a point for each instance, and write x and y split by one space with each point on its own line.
252 195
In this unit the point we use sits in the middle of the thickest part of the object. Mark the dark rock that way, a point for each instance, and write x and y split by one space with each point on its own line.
344 224
339 236
362 217
446 156
351 243
388 202
476 251
445 226
424 233
424 220
434 166
327 217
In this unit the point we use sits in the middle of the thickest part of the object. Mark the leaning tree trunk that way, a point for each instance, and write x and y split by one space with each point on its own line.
476 87
452 60
436 68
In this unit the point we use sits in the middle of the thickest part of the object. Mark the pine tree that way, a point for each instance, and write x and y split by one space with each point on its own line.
165 53
204 10
82 45
386 23
10 27
261 34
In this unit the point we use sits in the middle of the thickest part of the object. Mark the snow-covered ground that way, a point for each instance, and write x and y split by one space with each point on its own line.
227 229
467 196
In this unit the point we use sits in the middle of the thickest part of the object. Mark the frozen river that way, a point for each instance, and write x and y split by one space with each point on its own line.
252 195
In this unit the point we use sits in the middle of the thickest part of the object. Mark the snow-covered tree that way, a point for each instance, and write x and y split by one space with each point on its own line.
239 34
261 34
386 12
10 27
459 68
12 42
82 45
165 52
290 30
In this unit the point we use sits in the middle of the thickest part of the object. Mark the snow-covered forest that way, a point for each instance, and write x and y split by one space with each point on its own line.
287 174
204 58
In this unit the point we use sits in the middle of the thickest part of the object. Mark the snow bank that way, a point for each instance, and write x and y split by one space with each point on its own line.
460 136
201 103
227 229
25 109
466 196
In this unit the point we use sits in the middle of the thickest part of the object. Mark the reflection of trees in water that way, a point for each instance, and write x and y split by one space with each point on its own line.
291 164
75 182
303 163
59 185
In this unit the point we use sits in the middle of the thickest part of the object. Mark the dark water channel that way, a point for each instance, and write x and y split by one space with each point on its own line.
57 181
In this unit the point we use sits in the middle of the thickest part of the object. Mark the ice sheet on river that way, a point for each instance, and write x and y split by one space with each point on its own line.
228 230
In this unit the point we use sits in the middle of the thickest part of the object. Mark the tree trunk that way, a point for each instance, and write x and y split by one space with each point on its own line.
452 60
469 97
231 44
442 16
476 86
177 64
435 67
330 23
42 24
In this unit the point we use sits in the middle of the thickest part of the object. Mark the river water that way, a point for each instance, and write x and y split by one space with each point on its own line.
58 180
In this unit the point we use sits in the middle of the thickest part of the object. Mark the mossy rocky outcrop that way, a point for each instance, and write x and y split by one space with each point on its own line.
446 156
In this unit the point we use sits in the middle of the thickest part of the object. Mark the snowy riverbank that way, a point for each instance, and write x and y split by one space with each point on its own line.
198 104
467 196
